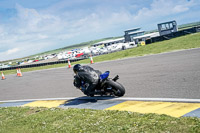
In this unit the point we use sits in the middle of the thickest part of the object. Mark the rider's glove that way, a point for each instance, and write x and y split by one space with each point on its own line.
82 88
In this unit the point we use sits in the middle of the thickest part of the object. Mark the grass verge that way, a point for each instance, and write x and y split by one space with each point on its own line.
184 42
35 120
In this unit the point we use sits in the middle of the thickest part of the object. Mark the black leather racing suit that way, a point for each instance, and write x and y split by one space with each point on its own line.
89 76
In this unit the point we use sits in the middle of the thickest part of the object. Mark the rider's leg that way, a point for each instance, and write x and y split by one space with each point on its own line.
90 89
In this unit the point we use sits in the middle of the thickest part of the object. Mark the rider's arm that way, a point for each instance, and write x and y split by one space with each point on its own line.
77 82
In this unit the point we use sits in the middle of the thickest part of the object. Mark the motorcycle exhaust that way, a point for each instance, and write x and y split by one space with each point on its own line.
116 78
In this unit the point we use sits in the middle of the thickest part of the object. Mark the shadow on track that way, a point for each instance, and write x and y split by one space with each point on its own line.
86 100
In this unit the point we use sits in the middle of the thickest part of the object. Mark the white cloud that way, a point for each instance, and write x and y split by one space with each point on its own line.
161 8
30 20
35 31
42 36
5 54
180 8
12 51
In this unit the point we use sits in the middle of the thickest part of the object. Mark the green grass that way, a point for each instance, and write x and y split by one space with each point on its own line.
184 42
43 120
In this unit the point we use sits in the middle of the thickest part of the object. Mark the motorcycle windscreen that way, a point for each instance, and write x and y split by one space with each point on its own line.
104 75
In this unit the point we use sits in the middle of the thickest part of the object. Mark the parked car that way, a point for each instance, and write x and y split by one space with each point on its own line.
35 60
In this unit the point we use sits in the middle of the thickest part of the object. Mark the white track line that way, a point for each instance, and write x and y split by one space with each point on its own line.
112 98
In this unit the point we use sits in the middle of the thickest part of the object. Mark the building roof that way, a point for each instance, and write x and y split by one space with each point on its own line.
148 35
134 29
167 22
135 32
108 41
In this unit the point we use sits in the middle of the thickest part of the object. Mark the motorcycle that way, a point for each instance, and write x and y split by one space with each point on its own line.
106 86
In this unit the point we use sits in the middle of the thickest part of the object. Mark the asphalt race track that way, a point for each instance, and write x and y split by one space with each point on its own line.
168 75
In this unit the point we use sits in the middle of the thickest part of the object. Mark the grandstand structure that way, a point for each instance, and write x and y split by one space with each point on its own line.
131 33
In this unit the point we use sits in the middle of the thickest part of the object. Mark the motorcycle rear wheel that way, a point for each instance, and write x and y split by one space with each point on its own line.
117 88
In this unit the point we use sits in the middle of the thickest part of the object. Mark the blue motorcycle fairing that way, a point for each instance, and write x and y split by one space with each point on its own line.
104 75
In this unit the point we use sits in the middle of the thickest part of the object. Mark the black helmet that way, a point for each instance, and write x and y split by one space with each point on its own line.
76 67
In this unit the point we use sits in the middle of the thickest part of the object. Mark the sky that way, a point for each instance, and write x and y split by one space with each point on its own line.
29 27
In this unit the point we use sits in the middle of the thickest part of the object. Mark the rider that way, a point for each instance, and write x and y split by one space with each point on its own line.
89 76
